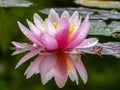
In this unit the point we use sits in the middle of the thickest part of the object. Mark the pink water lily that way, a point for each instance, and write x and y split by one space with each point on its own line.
58 43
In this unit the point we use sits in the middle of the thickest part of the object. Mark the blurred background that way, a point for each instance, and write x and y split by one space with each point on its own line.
103 72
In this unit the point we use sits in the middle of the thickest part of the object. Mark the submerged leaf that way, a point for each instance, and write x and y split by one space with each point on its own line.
15 3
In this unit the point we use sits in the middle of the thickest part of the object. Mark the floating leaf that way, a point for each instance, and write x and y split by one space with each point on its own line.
114 26
15 3
111 48
94 13
98 28
99 3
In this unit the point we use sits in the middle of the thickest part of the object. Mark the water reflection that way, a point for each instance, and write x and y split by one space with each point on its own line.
59 66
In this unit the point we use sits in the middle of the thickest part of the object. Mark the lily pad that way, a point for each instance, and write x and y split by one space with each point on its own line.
111 48
114 26
15 3
98 27
99 3
94 13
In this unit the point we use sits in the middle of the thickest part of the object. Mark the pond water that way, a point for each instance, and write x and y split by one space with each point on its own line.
103 72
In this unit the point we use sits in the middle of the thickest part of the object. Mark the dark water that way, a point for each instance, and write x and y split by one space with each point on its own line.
103 73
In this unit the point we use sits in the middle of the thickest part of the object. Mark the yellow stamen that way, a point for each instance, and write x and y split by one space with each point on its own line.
72 27
42 25
55 24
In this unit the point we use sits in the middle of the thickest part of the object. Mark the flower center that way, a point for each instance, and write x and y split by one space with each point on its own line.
72 27
55 24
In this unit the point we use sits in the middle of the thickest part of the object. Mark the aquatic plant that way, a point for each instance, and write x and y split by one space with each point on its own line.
58 43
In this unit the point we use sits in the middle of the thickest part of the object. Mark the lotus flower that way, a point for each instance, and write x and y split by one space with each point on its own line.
58 43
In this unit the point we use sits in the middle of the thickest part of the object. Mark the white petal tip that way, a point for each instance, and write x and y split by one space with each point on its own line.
85 80
16 67
18 22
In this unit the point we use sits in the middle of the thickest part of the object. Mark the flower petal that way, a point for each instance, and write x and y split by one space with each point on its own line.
80 34
37 20
65 14
74 18
27 56
49 41
49 27
48 62
72 72
22 45
47 77
77 25
17 51
33 67
87 43
53 16
34 29
62 32
60 71
81 70
29 34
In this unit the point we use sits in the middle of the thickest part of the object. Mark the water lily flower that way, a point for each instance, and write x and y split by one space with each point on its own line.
58 43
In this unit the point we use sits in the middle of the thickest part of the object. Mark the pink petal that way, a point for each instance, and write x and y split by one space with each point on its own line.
37 20
28 34
48 62
60 71
81 70
47 77
33 67
74 18
27 56
87 43
49 27
22 45
34 29
53 16
72 73
80 34
62 32
77 25
17 51
49 41
65 14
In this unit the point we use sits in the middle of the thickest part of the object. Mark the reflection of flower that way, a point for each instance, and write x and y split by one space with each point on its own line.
58 41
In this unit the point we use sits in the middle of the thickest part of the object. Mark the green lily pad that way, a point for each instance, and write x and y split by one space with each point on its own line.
114 26
99 4
98 27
